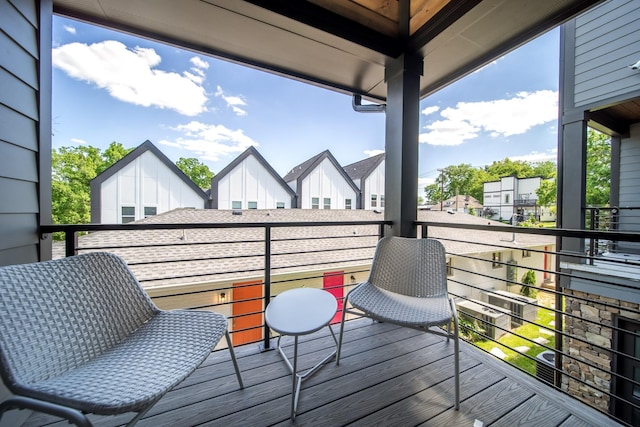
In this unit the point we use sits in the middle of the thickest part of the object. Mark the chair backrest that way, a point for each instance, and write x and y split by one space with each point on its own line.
56 315
414 267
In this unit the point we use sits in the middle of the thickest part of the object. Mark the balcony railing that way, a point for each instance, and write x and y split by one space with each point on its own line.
567 329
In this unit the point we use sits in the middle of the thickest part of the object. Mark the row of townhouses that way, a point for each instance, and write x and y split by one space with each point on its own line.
145 183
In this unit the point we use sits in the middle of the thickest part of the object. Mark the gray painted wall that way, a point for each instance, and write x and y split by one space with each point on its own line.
607 42
25 130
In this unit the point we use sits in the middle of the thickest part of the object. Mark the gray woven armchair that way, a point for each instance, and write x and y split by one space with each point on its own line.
407 286
79 335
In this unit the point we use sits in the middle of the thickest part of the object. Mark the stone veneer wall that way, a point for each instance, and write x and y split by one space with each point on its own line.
598 333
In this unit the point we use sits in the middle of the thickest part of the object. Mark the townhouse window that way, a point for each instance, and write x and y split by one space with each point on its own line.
347 203
496 259
128 214
236 204
327 203
315 203
279 205
374 200
382 200
506 198
150 211
252 205
526 253
450 267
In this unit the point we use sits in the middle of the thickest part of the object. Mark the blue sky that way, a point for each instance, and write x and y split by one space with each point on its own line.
109 86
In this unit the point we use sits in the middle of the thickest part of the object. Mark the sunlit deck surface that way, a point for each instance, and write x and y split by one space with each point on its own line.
388 376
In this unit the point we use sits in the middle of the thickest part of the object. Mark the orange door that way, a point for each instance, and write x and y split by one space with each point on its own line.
333 282
247 312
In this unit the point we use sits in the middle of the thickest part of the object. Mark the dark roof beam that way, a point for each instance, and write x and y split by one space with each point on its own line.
332 23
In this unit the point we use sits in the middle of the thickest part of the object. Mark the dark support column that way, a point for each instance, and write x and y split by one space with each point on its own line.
572 179
401 148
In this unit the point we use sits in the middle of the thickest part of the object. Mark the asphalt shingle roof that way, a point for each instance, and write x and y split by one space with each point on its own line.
180 256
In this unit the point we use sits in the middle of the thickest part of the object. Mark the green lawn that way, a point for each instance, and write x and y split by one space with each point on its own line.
510 341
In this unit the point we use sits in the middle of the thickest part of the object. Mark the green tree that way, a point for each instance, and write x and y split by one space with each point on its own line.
508 167
197 171
547 192
455 179
598 168
114 152
72 169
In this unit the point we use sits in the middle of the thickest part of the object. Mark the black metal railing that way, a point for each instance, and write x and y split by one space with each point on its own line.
489 262
201 265
588 297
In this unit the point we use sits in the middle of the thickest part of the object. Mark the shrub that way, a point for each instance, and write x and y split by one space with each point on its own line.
528 288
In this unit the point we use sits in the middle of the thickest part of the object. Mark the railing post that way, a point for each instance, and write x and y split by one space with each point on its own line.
267 283
71 242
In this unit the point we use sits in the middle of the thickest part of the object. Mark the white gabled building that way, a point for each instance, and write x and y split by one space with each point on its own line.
249 182
143 183
368 176
321 183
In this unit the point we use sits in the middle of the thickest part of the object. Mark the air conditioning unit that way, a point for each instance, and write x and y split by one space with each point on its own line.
518 305
545 366
490 316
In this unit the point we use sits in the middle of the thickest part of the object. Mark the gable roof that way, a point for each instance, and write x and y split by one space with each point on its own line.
251 151
96 183
460 201
363 168
301 171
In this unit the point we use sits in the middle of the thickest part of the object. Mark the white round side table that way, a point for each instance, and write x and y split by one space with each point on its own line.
300 312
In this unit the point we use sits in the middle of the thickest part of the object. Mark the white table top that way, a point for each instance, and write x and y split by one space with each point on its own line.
300 311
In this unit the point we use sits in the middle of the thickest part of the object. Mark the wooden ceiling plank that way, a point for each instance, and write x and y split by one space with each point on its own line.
422 11
360 14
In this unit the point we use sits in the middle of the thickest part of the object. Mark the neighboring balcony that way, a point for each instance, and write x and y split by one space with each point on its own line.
388 375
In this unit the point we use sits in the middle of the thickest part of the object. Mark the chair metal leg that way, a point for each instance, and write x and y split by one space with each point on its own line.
233 359
20 402
456 347
344 312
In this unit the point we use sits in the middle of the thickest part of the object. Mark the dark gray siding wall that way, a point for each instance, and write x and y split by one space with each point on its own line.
25 141
607 42
629 220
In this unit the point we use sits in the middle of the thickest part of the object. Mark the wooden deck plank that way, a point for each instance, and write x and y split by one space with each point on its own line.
535 412
388 376
428 403
486 406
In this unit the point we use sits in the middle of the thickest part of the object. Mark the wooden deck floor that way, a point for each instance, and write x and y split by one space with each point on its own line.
388 376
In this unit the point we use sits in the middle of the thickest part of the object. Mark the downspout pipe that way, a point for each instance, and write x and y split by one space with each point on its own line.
356 103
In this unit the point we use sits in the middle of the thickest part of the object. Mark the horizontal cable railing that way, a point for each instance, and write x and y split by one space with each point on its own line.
572 326
233 268
559 329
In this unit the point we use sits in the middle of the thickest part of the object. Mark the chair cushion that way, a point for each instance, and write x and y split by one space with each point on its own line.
140 369
401 309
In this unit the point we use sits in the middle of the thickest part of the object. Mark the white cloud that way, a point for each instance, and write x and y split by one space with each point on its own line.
78 141
69 29
130 75
199 63
233 102
423 182
210 142
430 110
372 153
536 156
501 117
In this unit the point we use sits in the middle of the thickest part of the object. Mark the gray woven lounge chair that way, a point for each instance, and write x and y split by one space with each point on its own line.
407 286
79 335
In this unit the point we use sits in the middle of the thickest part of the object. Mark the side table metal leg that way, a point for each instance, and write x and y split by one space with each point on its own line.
296 383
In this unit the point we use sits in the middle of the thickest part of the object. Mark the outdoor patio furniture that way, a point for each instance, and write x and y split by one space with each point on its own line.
407 286
299 312
79 335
